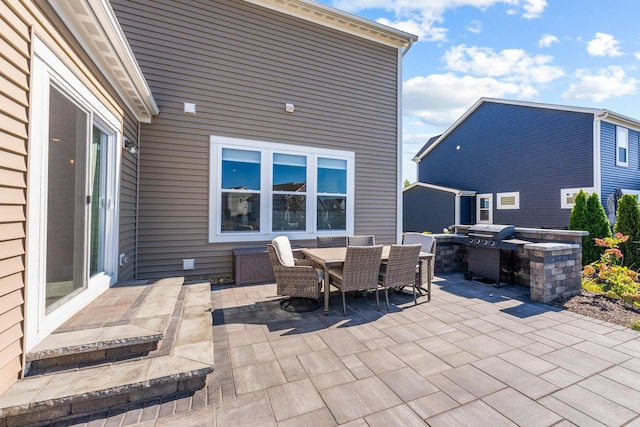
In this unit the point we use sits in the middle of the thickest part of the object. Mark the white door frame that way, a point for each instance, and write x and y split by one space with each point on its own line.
48 69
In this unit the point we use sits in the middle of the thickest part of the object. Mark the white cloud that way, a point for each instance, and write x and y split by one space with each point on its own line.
514 65
637 55
424 28
607 83
603 45
533 8
439 99
475 27
547 40
420 17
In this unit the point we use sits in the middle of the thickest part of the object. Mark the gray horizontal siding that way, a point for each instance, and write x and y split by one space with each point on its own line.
506 148
240 64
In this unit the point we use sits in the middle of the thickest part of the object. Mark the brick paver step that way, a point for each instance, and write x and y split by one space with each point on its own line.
66 350
72 393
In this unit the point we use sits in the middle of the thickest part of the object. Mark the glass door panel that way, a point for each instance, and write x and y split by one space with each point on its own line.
98 186
66 200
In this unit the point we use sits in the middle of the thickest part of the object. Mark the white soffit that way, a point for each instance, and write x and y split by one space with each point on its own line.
95 26
321 14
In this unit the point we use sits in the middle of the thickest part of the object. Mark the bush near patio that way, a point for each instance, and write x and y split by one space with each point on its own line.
628 223
609 276
588 214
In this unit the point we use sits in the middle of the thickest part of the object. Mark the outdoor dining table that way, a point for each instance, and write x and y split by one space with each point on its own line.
334 257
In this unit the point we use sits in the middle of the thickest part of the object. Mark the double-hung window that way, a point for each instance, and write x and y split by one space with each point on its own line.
622 146
260 190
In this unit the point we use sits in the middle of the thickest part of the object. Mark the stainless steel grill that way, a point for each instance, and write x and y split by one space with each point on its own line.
489 235
484 243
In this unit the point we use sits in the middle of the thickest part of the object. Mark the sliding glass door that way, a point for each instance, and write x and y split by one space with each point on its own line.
66 201
74 169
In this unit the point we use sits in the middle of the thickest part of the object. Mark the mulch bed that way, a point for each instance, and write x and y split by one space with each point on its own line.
598 306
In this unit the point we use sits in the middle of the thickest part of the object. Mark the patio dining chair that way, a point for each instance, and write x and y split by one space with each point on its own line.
359 271
296 278
368 240
428 243
400 270
331 241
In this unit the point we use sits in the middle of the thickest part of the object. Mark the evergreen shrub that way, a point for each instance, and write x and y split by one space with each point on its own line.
628 223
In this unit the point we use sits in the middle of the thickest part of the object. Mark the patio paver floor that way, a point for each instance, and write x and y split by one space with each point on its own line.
474 355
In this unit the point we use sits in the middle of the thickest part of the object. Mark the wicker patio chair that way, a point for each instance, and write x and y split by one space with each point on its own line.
296 278
428 243
361 240
400 270
359 272
331 241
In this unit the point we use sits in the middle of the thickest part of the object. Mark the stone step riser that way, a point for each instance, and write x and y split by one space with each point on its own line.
90 358
87 405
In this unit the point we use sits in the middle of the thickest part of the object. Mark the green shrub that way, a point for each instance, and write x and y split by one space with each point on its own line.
589 215
628 223
597 225
578 218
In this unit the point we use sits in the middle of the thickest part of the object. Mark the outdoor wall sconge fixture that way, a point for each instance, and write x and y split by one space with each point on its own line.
289 108
130 146
190 108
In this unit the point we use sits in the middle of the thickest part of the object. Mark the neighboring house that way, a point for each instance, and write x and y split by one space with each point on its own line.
222 162
433 208
525 162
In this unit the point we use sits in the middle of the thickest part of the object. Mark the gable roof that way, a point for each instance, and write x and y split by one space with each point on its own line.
327 16
427 145
598 113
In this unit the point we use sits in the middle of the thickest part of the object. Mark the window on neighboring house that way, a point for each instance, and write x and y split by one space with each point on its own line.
568 196
622 146
259 193
484 208
508 200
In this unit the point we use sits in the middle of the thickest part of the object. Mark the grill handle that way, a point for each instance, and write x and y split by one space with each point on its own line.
487 236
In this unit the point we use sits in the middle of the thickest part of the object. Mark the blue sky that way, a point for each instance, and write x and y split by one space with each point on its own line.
582 53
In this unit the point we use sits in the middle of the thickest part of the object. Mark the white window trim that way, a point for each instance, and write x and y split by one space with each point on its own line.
514 194
565 193
47 69
622 141
217 143
484 196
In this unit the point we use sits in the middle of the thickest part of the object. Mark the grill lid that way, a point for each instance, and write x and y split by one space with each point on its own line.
492 231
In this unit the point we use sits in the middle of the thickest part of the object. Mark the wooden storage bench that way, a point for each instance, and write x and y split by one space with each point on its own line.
252 265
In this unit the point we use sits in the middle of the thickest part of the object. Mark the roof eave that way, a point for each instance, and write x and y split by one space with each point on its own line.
454 191
327 16
97 29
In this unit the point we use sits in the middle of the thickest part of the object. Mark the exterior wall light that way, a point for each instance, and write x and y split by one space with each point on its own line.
289 108
131 146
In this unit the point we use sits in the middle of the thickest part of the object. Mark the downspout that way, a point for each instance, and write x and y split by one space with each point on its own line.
411 41
399 197
137 227
597 172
